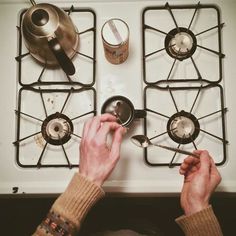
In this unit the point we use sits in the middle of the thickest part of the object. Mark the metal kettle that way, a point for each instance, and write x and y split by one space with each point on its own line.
50 36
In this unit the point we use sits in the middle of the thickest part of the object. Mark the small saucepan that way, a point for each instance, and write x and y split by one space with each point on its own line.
123 109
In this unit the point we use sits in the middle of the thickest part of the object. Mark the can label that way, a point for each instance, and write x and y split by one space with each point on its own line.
116 54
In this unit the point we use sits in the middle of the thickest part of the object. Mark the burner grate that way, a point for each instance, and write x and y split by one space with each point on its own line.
183 38
51 128
85 21
184 117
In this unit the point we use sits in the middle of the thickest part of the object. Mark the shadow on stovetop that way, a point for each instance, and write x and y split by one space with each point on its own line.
22 215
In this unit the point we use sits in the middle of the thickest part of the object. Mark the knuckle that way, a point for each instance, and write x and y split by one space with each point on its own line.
106 125
95 143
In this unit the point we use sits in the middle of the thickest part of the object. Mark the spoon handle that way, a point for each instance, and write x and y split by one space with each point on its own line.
178 150
118 118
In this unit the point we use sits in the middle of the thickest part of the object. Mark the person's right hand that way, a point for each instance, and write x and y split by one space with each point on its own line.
201 179
97 158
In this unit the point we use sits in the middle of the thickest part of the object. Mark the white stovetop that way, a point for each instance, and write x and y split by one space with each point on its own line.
131 175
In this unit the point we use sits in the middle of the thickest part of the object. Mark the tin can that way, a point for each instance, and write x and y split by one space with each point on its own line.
115 37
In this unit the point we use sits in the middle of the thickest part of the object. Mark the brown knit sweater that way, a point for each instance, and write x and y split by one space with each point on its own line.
202 223
69 210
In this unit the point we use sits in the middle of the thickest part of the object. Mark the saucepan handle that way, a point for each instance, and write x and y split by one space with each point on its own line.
63 60
140 113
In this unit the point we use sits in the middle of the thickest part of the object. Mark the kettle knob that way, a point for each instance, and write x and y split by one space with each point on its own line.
40 17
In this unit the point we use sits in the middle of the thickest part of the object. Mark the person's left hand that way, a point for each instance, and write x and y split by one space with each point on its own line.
97 159
201 177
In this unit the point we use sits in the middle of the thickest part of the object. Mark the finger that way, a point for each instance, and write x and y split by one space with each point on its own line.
189 165
184 166
214 169
193 169
107 117
94 126
190 160
105 129
182 171
95 123
205 161
185 172
86 127
198 151
116 143
215 175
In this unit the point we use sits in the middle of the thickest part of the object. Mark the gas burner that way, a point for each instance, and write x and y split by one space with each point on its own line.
183 127
180 43
52 127
57 128
177 117
186 39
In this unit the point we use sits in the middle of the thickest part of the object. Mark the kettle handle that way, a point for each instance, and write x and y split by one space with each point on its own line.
63 60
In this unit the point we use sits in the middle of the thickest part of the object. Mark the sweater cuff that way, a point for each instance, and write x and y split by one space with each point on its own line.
200 223
80 195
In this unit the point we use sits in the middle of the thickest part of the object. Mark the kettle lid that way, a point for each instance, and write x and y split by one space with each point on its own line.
41 19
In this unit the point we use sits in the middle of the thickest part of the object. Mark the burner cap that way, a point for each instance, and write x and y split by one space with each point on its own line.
57 128
180 44
183 127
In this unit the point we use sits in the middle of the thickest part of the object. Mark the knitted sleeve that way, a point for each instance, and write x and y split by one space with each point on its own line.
69 210
202 223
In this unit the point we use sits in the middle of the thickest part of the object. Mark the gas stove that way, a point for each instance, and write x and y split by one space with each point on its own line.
52 127
183 87
179 72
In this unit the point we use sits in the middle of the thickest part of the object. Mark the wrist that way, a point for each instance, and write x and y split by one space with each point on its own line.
92 179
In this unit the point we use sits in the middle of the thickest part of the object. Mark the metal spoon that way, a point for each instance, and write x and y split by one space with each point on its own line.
143 141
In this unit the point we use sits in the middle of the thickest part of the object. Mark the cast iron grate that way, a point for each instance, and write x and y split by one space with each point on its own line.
175 37
47 76
54 124
188 118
